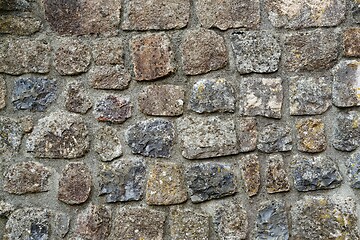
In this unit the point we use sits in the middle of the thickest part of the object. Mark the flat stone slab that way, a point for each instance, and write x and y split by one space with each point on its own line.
311 135
346 136
250 171
275 137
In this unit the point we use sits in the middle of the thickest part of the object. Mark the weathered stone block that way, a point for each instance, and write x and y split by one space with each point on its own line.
247 134
112 109
108 51
22 24
347 131
250 171
353 165
352 42
11 134
275 138
107 143
77 100
311 135
276 176
109 77
3 92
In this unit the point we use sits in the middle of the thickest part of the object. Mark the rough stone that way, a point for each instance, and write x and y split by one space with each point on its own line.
75 183
107 143
297 14
77 100
23 24
11 134
151 138
108 51
3 92
6 209
112 109
309 95
122 180
166 185
59 135
207 137
250 171
186 224
152 56
212 95
311 135
27 177
12 5
247 134
352 42
162 100
72 57
208 181
27 123
61 224
20 56
109 77
310 51
256 51
35 94
353 165
347 131
152 15
261 97
276 176
138 223
275 138
355 9
315 173
203 51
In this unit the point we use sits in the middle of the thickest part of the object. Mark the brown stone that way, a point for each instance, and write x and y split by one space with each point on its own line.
24 24
109 77
108 52
77 100
352 42
2 92
112 109
247 134
311 135
251 174
276 176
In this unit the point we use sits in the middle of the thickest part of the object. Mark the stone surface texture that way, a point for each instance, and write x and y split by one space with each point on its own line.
250 171
11 133
353 165
112 108
107 144
77 99
275 137
351 41
109 77
311 135
276 175
3 92
346 135
22 25
247 134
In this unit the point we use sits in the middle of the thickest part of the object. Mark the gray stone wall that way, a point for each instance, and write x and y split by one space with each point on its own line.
179 119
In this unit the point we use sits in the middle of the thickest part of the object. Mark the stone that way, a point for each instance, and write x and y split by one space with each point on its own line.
61 224
152 56
256 51
346 84
247 134
186 224
203 51
228 14
75 183
21 25
109 77
310 51
151 138
72 57
20 56
208 181
315 173
3 92
11 5
27 123
324 218
250 171
150 15
212 95
166 184
346 135
276 176
122 180
112 109
309 95
77 99
275 138
311 135
351 42
138 223
34 94
261 97
208 137
162 100
59 135
11 134
297 14
271 221
108 51
353 166
83 17
26 177
355 10
6 209
107 143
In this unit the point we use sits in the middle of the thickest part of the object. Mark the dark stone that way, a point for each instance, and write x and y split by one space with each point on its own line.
275 138
347 131
11 5
112 109
77 100
11 134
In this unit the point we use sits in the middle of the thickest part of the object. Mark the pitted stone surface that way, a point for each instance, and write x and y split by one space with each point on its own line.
108 51
112 109
11 5
77 99
3 92
22 25
276 176
247 134
212 95
207 137
311 135
353 165
109 77
275 137
256 51
208 181
347 131
351 42
107 143
250 171
202 51
11 134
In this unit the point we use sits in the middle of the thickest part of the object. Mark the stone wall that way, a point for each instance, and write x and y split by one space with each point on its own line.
179 119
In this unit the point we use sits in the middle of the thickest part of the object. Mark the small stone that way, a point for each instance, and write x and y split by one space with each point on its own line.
275 138
208 181
261 97
353 166
311 135
346 84
138 223
315 173
61 223
75 183
152 56
112 109
11 5
27 177
23 24
166 185
122 180
203 51
72 57
247 134
212 95
59 135
107 143
108 52
310 95
11 134
276 177
250 170
198 134
258 51
162 100
6 209
77 100
347 131
352 42
2 92
150 15
151 138
310 51
27 123
186 224
109 77
35 94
